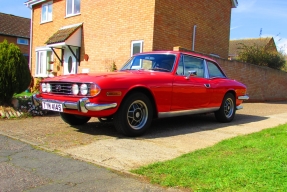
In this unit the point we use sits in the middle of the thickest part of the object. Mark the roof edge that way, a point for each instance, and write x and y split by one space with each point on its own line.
33 2
234 3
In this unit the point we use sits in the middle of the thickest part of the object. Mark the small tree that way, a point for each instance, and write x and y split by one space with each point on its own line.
261 55
15 75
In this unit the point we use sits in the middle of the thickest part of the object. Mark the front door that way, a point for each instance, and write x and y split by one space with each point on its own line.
70 62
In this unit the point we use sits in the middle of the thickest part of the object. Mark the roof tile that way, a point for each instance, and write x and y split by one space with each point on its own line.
14 25
62 35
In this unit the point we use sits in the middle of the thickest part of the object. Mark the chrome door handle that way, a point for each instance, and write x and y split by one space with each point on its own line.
207 85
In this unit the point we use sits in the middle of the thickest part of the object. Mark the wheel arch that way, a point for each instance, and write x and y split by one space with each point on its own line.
232 92
145 91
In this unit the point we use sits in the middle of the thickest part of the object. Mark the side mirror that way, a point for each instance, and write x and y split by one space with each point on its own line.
191 73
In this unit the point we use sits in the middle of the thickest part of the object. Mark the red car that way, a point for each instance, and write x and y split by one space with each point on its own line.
150 85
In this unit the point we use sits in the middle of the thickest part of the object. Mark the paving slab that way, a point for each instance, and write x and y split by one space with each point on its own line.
168 138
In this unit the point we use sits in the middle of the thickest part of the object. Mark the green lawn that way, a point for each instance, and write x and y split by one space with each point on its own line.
27 94
255 162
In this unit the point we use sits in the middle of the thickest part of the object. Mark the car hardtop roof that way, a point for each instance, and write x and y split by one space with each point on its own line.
179 52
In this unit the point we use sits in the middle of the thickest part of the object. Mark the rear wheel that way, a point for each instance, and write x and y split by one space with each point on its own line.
134 116
74 119
226 112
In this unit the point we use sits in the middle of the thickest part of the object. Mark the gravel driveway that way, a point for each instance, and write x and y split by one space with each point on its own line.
168 138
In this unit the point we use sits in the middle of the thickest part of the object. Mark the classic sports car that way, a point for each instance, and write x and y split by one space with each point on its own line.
150 85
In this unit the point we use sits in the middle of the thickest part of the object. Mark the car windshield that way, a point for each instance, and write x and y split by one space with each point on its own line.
156 62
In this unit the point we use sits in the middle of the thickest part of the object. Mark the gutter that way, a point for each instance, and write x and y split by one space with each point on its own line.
234 3
33 2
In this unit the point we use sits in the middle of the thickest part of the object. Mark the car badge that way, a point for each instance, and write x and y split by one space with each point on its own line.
58 88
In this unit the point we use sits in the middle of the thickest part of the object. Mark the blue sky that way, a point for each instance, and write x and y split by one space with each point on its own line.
251 19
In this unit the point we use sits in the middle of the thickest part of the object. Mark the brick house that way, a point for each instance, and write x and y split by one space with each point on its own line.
89 36
234 45
16 30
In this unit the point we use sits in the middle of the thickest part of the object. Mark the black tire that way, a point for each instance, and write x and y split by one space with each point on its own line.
134 116
227 109
105 119
74 119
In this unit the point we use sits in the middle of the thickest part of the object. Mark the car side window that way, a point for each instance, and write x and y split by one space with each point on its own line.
188 63
214 70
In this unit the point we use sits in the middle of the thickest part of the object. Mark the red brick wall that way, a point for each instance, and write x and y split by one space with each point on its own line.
263 83
108 29
110 26
25 49
175 19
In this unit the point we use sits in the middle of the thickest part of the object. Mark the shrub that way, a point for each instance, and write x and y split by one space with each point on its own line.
15 75
262 56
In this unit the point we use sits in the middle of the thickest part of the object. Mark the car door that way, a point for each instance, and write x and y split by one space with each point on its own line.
218 82
190 91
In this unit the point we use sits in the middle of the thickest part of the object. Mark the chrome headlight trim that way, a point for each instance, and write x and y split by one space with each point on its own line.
75 89
43 87
84 89
48 88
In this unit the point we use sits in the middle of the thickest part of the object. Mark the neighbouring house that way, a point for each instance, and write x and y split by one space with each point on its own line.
235 45
74 36
16 30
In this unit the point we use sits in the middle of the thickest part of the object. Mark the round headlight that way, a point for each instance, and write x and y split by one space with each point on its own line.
48 87
43 87
75 89
84 89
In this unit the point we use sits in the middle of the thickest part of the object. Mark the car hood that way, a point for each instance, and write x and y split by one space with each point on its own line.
132 76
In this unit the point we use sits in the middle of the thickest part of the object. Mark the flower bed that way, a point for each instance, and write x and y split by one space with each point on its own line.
22 107
26 106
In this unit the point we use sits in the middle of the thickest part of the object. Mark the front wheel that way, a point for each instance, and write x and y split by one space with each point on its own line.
226 112
134 116
74 119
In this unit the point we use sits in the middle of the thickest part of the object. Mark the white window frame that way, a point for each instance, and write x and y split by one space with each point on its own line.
136 42
73 8
42 64
45 9
22 41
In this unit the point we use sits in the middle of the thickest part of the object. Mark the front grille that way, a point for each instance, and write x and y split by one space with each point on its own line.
61 88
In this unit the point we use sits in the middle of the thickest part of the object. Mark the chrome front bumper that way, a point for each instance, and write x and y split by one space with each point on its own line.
83 105
245 97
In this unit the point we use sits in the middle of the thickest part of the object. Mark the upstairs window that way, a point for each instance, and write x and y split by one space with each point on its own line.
22 41
73 7
46 12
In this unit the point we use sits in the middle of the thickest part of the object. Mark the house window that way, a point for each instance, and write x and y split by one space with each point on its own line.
46 12
73 7
22 41
136 47
43 57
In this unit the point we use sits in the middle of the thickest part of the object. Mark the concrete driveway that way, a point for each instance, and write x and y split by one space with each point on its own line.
168 138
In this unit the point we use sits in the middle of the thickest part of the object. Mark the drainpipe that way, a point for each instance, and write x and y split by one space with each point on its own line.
31 32
193 37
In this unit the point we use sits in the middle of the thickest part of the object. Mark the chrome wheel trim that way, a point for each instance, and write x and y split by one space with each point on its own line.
228 107
137 115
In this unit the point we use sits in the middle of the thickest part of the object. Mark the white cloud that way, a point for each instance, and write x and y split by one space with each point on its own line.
234 27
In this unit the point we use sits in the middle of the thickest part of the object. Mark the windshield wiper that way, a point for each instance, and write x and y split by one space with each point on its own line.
159 69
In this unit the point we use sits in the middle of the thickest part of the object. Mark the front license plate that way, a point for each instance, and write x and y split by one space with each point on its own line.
52 106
